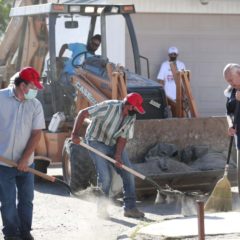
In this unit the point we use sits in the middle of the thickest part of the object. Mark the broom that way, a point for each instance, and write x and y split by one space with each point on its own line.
221 198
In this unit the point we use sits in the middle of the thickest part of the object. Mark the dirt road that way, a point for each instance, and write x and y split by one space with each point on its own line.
58 216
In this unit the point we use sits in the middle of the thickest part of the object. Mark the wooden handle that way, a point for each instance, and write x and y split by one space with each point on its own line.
135 173
31 170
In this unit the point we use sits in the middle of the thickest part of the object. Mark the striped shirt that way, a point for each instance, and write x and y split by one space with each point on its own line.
107 123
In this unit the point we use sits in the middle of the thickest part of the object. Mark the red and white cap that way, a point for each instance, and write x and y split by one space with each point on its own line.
136 100
30 74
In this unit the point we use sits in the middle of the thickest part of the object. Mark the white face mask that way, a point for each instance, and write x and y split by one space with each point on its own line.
32 93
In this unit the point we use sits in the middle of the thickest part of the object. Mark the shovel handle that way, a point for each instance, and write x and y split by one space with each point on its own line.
130 170
31 170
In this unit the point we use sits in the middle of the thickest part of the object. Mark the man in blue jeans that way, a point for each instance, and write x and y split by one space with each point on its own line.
22 120
112 124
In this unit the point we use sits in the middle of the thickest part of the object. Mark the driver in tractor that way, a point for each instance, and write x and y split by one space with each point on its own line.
80 51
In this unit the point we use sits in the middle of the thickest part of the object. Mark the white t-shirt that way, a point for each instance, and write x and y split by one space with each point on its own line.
166 75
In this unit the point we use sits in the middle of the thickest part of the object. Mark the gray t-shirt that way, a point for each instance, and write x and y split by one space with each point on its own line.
17 120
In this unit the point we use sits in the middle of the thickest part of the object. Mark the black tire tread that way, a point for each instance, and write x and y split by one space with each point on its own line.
83 173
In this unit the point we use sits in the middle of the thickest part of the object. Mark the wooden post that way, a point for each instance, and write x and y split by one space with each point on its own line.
122 86
115 85
201 229
191 100
178 80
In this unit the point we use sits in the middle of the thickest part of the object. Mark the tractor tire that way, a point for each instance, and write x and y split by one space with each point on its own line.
78 169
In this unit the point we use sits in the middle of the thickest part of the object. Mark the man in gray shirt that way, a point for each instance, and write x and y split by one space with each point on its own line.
22 120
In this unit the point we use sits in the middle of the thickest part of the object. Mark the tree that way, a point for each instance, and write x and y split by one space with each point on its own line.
5 6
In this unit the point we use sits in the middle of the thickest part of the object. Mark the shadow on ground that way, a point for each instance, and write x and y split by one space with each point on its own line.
48 187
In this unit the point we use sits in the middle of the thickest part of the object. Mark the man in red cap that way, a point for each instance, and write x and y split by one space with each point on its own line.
22 120
112 124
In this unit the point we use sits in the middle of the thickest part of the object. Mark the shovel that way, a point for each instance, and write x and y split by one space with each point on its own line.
37 173
160 191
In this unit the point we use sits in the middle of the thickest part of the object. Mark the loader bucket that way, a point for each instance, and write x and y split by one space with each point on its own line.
209 132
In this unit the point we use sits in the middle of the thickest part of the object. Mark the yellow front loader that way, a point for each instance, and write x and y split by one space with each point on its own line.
34 36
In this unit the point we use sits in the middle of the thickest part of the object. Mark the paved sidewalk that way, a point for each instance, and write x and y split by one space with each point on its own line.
221 225
187 227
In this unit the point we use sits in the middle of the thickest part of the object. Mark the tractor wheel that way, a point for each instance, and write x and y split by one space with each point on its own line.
78 168
66 165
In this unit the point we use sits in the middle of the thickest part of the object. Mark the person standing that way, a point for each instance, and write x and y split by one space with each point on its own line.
112 124
165 75
231 74
22 120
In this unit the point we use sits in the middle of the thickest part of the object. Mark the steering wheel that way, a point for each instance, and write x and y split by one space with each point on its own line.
79 55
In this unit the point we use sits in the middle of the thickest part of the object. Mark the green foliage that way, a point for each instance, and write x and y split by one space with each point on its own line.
5 6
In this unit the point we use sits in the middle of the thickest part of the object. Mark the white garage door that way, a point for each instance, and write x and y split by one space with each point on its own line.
206 44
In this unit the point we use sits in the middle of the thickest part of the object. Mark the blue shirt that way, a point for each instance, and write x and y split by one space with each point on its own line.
75 48
17 120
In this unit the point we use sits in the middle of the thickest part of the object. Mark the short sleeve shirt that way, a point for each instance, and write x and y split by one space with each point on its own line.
18 119
75 48
166 75
107 123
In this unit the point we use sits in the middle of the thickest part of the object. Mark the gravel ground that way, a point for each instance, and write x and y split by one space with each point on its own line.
58 216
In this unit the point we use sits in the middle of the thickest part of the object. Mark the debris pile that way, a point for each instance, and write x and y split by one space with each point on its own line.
168 158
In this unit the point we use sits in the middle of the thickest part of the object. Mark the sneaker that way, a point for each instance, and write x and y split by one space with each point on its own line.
103 213
133 213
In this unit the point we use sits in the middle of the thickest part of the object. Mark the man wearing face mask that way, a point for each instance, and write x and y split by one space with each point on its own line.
165 75
22 120
112 124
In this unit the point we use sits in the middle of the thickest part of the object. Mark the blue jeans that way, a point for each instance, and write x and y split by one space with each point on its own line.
104 176
16 217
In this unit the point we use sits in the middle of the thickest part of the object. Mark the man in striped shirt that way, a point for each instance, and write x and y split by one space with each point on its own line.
112 124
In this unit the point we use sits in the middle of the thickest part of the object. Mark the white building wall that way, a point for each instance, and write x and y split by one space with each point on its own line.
207 42
183 6
116 39
206 35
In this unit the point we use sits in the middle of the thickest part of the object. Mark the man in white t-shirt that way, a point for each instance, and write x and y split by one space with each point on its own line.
165 75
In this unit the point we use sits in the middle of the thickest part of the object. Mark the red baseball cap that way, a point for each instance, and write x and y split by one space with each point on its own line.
136 100
30 74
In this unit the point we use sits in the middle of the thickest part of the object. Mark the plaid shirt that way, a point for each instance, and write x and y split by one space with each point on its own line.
107 123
